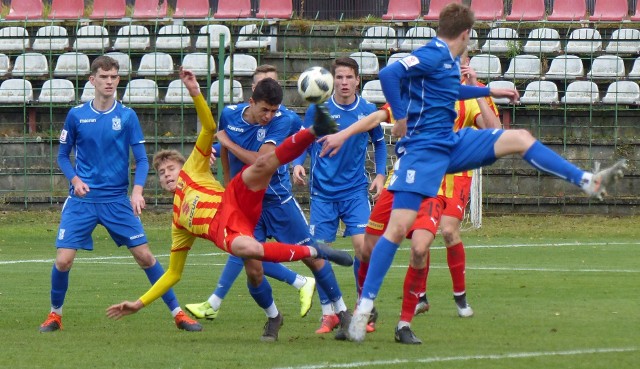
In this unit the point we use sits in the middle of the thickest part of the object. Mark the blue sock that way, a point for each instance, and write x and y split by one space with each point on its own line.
356 267
59 287
153 274
279 272
381 259
262 294
546 160
230 273
327 285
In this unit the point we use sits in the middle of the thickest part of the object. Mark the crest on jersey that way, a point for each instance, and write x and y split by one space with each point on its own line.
261 134
184 208
411 176
63 136
116 124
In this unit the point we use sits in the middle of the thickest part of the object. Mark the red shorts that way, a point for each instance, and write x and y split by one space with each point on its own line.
428 215
238 213
455 205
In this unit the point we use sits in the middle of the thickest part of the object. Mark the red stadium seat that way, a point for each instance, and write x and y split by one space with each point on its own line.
610 10
25 9
66 9
403 10
149 9
568 10
488 9
231 9
527 10
280 9
108 9
192 9
435 6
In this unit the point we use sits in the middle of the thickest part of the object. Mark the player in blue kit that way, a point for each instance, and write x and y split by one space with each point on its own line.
101 132
421 90
338 184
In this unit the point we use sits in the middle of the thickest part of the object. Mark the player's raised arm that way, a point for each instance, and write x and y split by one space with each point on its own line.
331 144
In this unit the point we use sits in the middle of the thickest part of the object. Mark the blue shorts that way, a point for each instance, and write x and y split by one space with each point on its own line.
426 161
326 216
283 222
80 218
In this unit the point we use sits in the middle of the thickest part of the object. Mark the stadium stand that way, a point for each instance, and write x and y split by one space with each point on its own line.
124 61
192 9
250 37
610 10
227 97
624 41
607 67
634 73
372 92
5 65
416 37
173 37
177 93
132 37
108 9
584 41
201 64
540 92
275 9
487 66
209 36
72 64
30 64
92 37
395 57
501 84
56 91
488 10
402 10
233 9
581 92
568 10
89 92
156 64
524 67
500 40
367 62
565 67
141 91
543 41
14 38
66 9
25 10
622 92
379 38
16 90
474 44
51 38
146 9
243 65
435 6
526 10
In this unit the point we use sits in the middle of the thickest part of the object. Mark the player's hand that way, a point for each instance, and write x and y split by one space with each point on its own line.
331 144
510 93
299 175
223 138
470 74
399 129
212 158
80 188
137 200
190 81
124 308
377 185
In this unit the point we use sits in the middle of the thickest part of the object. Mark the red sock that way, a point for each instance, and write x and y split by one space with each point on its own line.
362 274
456 261
278 252
411 292
426 274
294 146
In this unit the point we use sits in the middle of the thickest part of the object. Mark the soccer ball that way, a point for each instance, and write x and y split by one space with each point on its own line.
315 85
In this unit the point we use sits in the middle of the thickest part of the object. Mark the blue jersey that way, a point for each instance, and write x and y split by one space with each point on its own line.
339 177
251 136
101 142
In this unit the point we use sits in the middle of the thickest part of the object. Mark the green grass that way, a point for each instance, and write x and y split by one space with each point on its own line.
565 298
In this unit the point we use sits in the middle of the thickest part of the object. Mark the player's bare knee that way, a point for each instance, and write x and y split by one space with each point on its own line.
449 234
254 273
63 265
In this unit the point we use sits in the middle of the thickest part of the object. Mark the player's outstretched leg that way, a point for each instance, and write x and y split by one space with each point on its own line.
337 256
602 179
323 124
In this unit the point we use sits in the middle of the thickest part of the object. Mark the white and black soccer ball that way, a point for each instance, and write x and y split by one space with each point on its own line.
315 85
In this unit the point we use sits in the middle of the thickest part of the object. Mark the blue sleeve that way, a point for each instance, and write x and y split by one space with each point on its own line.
216 148
390 80
380 149
142 164
472 92
309 116
64 162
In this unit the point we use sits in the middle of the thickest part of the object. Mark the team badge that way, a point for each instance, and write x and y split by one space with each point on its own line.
116 124
63 136
184 208
261 134
411 176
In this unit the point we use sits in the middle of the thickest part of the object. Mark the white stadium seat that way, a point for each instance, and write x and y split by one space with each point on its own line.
250 37
30 64
173 37
51 38
243 65
581 92
367 62
523 67
624 41
416 37
201 64
501 40
132 37
238 95
209 36
501 84
584 41
565 67
92 38
156 64
72 64
141 91
372 92
14 39
540 92
607 67
379 38
57 91
543 41
16 90
622 92
487 66
124 62
177 93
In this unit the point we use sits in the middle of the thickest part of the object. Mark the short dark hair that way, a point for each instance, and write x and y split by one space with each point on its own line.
454 19
345 62
269 91
105 63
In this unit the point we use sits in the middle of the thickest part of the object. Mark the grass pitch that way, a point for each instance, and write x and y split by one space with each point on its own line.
548 292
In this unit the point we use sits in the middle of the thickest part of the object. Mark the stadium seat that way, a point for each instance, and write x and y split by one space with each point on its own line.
66 9
57 91
487 66
565 67
395 57
156 64
527 10
149 9
624 41
25 10
372 92
141 91
607 67
108 9
250 37
14 39
72 64
30 64
5 65
192 9
568 10
201 64
402 10
523 67
132 37
584 41
501 84
488 10
540 92
243 65
124 62
501 40
435 6
275 9
416 37
89 92
233 9
622 92
581 92
379 38
543 41
209 36
635 13
177 93
173 37
92 38
367 62
227 98
51 38
16 90
610 10
474 44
